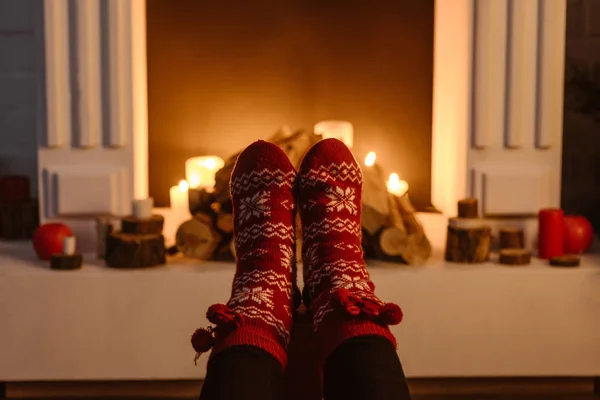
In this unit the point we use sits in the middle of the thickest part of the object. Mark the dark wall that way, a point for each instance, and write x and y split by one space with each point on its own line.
581 138
223 74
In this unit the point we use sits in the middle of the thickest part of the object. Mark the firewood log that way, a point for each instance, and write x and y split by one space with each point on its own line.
125 250
197 237
225 222
418 248
374 195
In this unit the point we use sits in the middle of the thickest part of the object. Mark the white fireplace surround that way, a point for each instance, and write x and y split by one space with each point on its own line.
497 107
497 134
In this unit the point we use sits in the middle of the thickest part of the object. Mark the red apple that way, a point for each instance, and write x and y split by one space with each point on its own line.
579 234
48 239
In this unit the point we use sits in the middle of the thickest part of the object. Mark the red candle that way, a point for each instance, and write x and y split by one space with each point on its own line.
550 233
14 189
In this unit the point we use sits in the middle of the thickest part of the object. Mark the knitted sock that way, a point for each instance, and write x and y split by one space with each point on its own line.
337 287
259 312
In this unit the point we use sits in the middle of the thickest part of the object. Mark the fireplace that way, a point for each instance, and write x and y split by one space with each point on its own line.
220 77
495 119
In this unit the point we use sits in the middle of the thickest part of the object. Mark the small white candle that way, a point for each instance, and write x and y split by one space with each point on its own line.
200 171
142 208
180 200
342 130
396 186
69 245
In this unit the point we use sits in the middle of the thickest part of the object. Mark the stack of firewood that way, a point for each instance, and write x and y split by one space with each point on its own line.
391 231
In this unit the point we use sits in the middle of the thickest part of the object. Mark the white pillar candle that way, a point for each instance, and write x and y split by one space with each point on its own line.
180 204
200 171
396 186
69 245
142 208
342 130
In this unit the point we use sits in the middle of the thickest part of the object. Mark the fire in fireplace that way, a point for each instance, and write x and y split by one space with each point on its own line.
220 77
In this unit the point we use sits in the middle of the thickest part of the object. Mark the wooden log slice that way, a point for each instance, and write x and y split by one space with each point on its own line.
125 250
393 241
65 262
565 261
418 249
512 238
468 245
146 226
371 219
514 256
468 208
197 238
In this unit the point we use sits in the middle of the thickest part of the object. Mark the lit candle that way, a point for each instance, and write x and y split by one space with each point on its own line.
142 208
69 245
200 171
396 186
342 130
180 201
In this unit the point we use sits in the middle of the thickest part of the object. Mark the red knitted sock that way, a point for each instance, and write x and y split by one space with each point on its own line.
259 312
337 286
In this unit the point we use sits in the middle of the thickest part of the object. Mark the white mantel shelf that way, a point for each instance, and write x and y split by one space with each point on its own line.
460 320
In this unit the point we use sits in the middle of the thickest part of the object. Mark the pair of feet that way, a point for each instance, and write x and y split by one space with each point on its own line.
266 192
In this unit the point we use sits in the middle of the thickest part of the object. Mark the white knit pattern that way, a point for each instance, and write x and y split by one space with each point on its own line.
260 179
331 173
327 225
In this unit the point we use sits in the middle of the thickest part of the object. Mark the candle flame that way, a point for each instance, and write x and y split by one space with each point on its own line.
370 159
183 186
396 186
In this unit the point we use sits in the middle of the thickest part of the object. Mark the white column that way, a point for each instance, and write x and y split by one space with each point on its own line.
498 98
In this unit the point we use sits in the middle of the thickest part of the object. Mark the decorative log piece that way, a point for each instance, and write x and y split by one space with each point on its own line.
468 245
146 226
512 256
468 208
124 250
565 261
197 237
18 220
512 238
65 262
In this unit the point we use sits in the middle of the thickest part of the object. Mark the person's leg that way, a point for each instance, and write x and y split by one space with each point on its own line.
259 311
365 367
243 373
337 286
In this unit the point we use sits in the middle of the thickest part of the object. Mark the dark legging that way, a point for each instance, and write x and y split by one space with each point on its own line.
362 368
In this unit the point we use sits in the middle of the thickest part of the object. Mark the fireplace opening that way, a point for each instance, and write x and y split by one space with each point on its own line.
221 75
